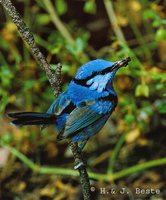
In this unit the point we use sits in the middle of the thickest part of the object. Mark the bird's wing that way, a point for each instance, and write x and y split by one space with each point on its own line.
78 119
60 103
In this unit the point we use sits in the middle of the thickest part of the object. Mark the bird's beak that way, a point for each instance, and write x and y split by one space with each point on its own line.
122 63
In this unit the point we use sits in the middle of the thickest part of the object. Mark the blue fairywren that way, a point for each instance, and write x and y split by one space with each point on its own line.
82 110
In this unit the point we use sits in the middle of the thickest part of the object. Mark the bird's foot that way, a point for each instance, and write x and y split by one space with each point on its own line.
79 165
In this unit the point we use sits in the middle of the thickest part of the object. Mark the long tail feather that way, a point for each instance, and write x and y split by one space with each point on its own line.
32 118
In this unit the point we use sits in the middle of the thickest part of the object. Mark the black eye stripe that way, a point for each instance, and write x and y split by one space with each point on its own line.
103 72
81 82
109 69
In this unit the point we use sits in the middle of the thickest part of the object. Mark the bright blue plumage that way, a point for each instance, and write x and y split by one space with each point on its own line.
81 111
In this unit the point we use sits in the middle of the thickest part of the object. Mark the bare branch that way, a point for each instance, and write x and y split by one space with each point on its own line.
57 22
84 179
54 79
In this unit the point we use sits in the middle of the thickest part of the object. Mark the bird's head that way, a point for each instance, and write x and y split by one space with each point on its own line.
98 73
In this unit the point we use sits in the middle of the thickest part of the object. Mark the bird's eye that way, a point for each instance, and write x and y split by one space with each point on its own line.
101 73
105 71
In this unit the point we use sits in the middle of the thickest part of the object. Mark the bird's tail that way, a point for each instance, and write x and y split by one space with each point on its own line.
32 118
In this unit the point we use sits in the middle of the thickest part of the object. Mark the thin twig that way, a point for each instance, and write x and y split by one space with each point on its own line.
57 22
54 79
82 170
113 20
115 153
49 7
98 176
118 32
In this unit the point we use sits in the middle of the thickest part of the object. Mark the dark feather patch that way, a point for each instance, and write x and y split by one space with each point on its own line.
32 118
29 114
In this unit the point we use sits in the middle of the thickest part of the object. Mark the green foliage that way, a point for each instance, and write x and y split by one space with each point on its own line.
142 90
6 139
61 6
140 86
162 107
90 7
152 14
160 35
129 118
43 19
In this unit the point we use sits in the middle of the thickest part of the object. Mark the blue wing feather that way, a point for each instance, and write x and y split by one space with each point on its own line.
58 107
91 130
59 104
78 119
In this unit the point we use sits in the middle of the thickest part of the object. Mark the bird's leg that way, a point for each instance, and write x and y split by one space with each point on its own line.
82 144
79 162
78 165
80 148
77 155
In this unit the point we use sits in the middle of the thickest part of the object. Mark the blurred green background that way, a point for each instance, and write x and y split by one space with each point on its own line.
73 32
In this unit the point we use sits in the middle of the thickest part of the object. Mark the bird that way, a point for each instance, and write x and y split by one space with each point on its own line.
82 110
